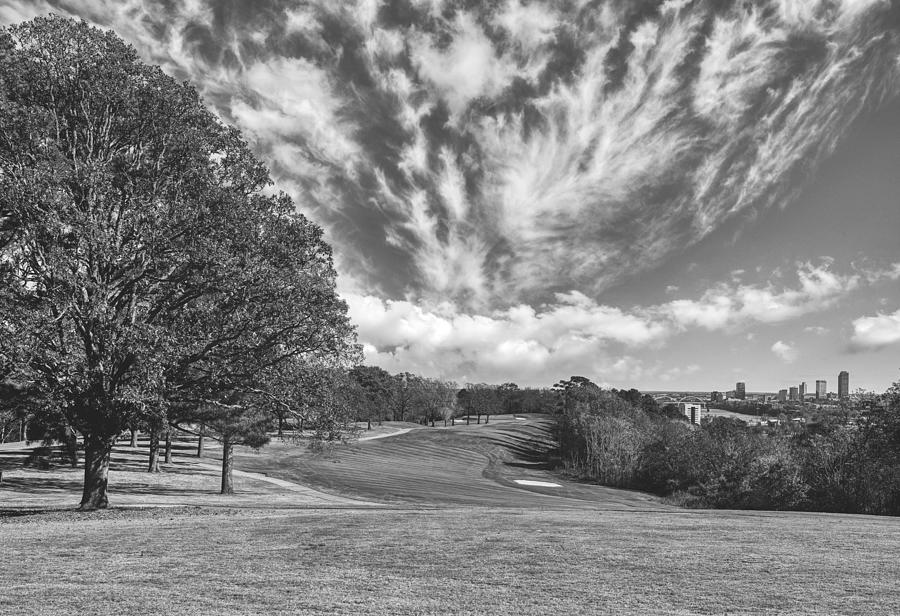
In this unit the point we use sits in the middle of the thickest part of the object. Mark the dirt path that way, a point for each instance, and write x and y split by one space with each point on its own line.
378 436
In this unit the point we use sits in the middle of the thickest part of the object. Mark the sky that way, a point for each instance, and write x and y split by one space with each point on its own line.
668 195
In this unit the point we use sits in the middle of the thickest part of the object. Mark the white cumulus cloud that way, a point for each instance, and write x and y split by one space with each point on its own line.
576 334
727 304
785 351
875 332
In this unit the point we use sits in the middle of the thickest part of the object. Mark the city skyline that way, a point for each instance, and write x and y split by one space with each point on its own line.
524 191
741 391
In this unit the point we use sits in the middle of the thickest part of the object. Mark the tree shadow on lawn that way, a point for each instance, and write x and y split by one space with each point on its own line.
137 463
527 453
143 446
39 457
52 485
18 513
530 457
10 460
131 489
41 485
57 460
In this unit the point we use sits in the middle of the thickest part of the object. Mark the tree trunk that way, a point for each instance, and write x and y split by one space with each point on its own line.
96 474
200 443
280 425
487 418
227 465
468 418
369 424
133 444
479 419
168 445
153 466
72 447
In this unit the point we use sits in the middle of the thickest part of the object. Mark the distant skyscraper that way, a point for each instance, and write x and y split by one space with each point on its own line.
794 394
740 390
802 391
782 395
821 390
844 385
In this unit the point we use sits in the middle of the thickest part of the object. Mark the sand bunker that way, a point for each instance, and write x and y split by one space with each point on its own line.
540 484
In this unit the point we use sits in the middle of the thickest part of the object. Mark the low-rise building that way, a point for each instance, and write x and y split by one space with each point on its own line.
692 411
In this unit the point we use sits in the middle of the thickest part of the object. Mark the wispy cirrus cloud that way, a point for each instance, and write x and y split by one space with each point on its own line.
499 153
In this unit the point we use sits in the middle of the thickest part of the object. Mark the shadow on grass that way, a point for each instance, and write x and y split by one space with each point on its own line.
73 514
144 446
41 485
41 458
18 513
530 448
48 485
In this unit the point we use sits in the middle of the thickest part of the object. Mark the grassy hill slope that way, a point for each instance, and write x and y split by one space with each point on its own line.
462 465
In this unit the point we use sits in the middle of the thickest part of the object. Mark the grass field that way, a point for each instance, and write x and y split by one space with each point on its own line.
450 561
450 533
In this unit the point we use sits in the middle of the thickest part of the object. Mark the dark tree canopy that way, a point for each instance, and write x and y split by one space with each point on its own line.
374 390
145 271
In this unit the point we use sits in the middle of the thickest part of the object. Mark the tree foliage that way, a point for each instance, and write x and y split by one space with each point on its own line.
374 391
851 467
144 269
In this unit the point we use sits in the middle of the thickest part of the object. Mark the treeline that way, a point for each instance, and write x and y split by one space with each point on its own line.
839 466
376 395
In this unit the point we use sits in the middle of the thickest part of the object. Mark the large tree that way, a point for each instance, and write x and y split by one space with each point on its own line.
482 399
431 396
403 388
145 272
375 391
